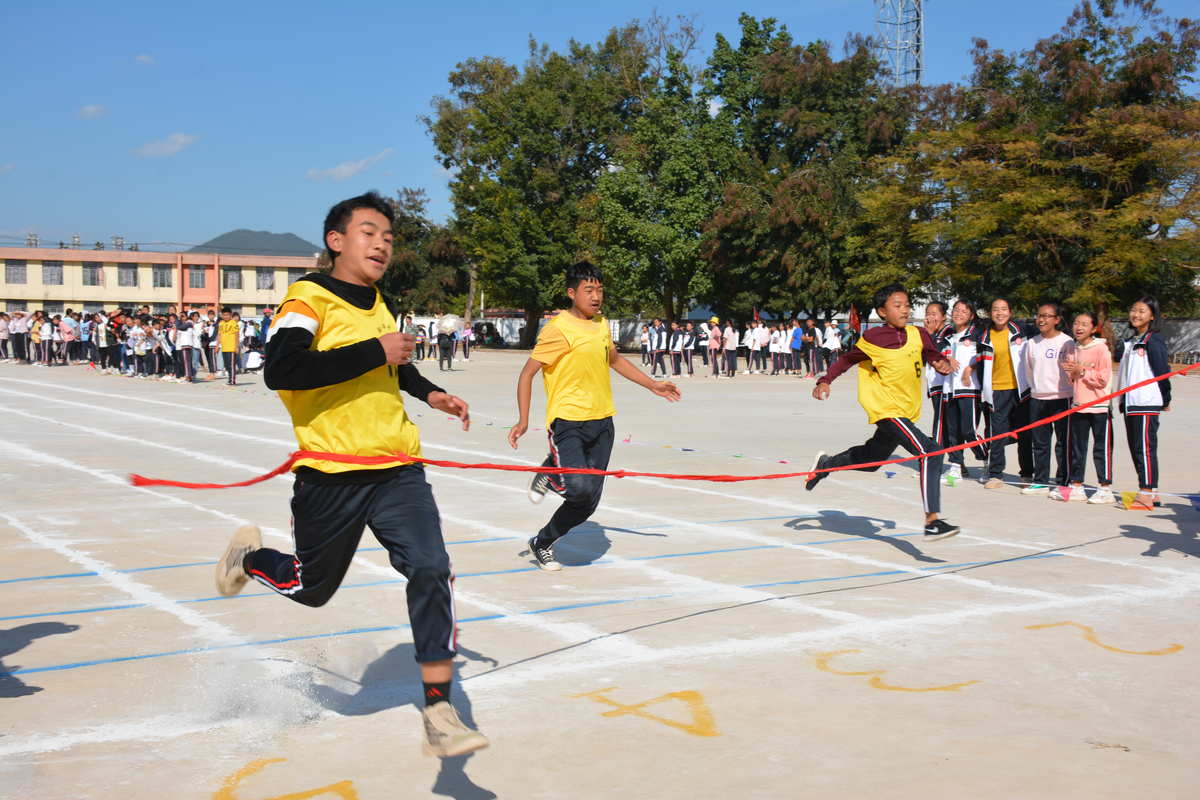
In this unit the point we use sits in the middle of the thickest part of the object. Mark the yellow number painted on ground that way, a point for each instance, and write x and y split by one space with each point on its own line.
1090 635
343 789
876 681
703 723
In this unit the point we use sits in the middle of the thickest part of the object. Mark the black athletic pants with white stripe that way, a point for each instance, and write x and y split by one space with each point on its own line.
327 523
1039 410
1099 427
1141 430
588 444
903 432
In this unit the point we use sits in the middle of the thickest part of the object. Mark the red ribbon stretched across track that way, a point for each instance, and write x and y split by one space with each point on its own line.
402 458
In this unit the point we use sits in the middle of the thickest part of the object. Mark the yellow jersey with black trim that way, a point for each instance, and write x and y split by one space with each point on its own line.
364 416
574 354
889 384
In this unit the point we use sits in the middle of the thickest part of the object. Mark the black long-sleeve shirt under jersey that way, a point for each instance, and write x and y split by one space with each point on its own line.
292 365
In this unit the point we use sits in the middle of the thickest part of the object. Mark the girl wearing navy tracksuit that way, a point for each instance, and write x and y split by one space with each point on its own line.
1143 356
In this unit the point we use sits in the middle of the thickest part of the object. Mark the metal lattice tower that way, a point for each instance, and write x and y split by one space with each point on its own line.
900 31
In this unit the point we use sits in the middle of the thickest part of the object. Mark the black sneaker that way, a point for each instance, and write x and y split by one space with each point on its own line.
820 462
544 556
538 487
939 529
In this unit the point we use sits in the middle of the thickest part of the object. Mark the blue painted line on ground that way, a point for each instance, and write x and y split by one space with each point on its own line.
212 563
485 573
483 618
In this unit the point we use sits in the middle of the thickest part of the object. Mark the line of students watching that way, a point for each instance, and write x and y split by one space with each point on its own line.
804 349
1010 376
169 347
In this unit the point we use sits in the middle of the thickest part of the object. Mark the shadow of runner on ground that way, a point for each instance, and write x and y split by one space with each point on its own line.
588 542
394 680
1186 542
836 521
18 638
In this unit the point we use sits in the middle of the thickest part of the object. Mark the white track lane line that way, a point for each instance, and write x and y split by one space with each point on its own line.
139 592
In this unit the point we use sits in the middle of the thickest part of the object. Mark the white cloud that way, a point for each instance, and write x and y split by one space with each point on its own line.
7 168
144 58
91 112
347 169
161 148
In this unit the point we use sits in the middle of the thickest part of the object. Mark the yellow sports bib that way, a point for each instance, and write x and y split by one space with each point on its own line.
889 384
363 416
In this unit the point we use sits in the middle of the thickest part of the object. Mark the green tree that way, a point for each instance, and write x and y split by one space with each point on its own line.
428 270
526 147
663 184
1071 170
806 122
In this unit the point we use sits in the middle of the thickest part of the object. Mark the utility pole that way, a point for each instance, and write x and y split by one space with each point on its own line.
900 39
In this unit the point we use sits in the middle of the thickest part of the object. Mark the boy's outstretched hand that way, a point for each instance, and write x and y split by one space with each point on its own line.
516 432
820 391
451 404
667 390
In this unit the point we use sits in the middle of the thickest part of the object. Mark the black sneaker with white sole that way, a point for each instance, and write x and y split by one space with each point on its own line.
820 462
544 556
939 529
538 487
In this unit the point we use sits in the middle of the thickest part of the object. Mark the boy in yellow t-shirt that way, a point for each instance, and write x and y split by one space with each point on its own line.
891 362
229 338
574 352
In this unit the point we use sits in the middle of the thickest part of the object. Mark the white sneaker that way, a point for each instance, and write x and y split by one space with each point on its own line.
1075 495
446 735
231 575
1102 497
1038 489
954 471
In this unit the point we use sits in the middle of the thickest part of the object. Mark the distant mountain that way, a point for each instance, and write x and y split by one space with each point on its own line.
257 243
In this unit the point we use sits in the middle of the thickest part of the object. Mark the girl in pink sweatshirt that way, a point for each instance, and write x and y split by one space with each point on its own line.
1089 365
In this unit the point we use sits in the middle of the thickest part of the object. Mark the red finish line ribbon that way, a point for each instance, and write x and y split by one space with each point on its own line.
402 458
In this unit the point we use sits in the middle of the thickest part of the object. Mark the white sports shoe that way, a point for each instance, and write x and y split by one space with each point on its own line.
446 735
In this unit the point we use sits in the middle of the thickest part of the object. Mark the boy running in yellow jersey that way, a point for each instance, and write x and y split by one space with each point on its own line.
339 365
891 360
574 351
229 336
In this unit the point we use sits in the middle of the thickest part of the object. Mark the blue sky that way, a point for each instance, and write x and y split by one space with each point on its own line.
168 123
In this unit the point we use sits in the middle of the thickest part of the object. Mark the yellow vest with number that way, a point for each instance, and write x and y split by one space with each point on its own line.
363 416
889 385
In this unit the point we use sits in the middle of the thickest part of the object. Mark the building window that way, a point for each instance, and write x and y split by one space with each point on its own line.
195 277
14 270
231 277
294 275
160 309
52 306
52 273
264 278
92 307
17 305
127 275
162 276
93 273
